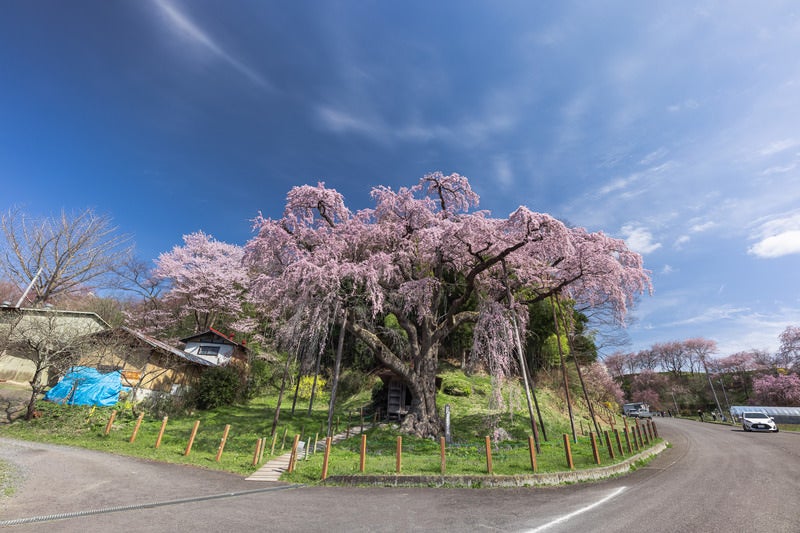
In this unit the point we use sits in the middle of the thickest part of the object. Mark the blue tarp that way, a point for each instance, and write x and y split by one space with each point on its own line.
84 385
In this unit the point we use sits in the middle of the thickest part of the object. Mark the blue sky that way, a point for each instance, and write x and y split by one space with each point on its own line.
673 125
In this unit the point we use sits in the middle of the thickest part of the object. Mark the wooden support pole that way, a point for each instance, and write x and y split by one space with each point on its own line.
255 453
316 440
488 454
363 458
136 427
263 448
628 439
283 442
399 455
608 444
655 430
619 442
442 456
532 448
274 439
161 431
191 438
308 447
110 422
293 456
326 457
645 434
595 451
568 451
223 441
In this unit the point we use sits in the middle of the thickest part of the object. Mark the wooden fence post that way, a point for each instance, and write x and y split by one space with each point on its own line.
595 451
316 439
110 422
293 456
161 431
568 451
362 462
191 438
283 442
136 427
655 430
619 442
399 455
608 443
256 452
308 447
274 440
628 439
532 448
326 457
442 456
488 454
222 441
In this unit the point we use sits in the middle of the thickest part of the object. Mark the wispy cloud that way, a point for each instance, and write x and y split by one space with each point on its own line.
777 236
778 146
639 239
185 27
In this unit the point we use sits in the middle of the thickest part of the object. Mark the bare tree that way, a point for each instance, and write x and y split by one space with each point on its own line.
59 255
50 341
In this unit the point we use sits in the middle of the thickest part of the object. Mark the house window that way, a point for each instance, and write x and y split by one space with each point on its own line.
208 350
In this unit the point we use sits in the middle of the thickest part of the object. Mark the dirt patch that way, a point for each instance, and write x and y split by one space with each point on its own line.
13 401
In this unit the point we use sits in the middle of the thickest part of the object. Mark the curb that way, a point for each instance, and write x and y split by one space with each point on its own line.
525 480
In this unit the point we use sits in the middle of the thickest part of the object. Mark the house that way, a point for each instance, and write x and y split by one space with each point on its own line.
218 348
147 364
29 336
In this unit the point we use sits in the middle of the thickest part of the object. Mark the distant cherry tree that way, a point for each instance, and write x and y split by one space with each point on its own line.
650 387
780 390
788 355
425 256
616 364
601 385
206 280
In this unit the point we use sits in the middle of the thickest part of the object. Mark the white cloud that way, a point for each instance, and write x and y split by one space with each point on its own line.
639 239
785 243
779 169
340 121
777 236
686 104
181 24
778 146
697 228
680 241
502 171
667 270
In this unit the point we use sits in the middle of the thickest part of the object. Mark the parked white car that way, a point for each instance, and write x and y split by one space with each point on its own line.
757 421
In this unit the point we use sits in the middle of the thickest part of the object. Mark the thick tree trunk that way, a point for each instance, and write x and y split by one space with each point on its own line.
423 419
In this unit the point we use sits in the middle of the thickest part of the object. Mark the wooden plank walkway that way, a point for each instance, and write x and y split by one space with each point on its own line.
273 469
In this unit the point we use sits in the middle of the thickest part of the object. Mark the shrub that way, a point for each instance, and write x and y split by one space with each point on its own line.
351 382
259 378
456 385
307 384
218 386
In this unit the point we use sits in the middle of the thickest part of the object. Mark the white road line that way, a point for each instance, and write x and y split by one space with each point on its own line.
573 514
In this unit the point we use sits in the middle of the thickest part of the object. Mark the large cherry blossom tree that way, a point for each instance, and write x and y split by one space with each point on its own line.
206 277
424 255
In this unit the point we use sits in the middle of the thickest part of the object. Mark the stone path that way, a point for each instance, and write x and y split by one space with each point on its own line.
272 470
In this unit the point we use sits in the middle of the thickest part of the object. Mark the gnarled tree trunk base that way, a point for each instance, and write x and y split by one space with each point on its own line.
422 425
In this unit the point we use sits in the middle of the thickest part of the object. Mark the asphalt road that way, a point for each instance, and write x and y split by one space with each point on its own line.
713 478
